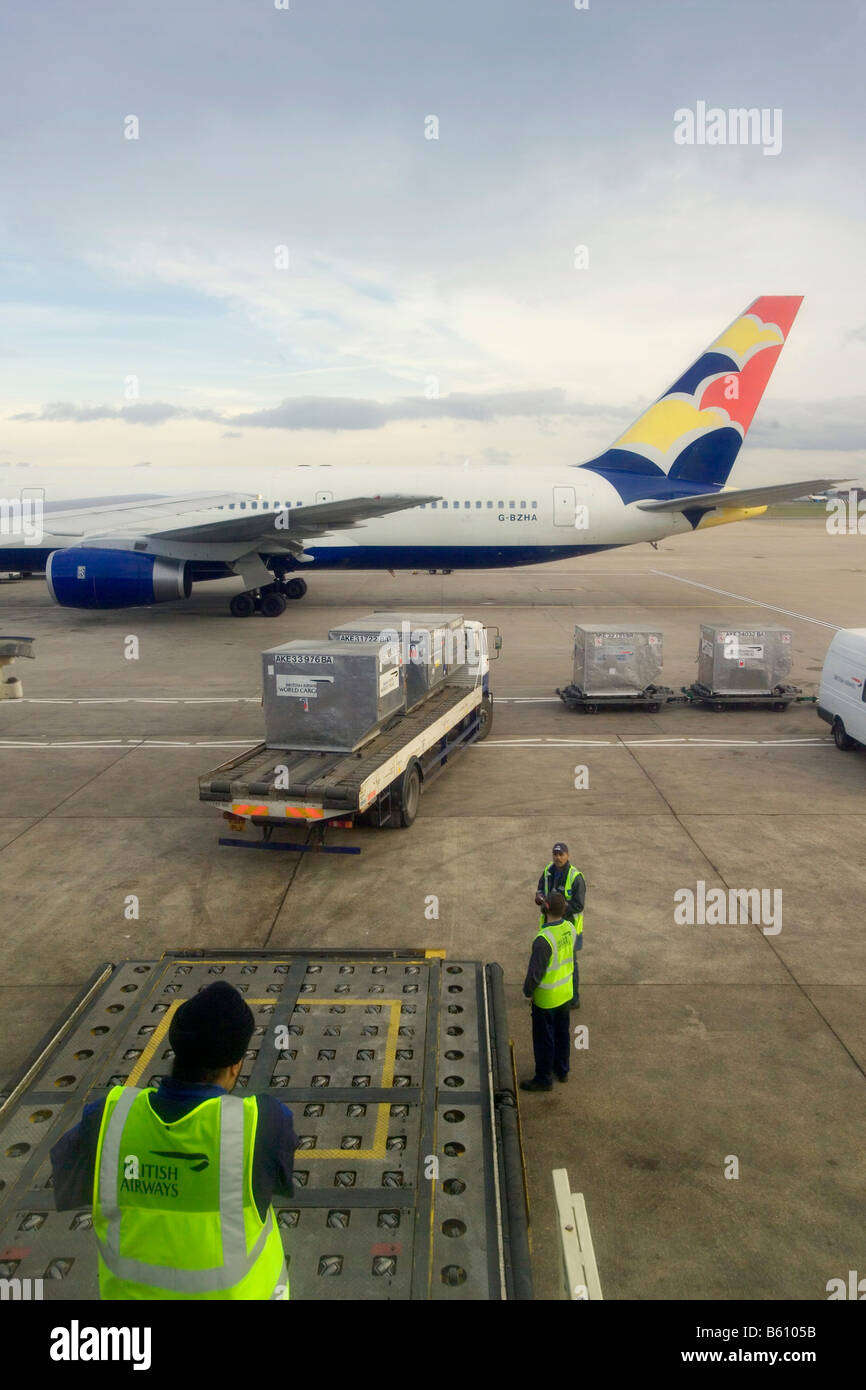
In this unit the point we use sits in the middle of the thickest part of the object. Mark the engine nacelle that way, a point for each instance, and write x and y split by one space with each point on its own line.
114 578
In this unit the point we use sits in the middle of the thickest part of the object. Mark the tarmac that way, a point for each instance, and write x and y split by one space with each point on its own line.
714 1118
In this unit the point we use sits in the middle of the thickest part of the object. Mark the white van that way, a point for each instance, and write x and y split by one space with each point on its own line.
842 696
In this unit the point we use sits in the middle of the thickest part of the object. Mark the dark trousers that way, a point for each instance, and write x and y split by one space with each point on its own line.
551 1041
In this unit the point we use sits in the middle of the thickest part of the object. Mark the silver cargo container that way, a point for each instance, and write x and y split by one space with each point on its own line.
329 696
616 661
743 661
430 646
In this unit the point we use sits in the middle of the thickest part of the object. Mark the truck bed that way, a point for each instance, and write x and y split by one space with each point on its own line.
246 784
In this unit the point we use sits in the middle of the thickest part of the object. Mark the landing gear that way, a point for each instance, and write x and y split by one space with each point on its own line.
242 606
270 601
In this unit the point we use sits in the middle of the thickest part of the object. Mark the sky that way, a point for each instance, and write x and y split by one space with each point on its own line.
348 232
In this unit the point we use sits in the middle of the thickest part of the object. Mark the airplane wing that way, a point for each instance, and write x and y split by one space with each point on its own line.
292 524
86 518
244 523
739 497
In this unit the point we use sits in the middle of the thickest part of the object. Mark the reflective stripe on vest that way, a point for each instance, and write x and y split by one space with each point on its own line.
164 1280
572 874
557 984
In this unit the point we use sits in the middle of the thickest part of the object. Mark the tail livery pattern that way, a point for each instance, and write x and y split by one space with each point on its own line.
688 440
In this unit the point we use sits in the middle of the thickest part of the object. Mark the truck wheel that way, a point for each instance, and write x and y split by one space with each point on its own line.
273 604
485 715
407 798
242 605
841 739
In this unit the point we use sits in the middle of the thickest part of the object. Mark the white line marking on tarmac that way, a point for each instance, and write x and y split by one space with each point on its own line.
537 744
758 603
653 743
233 700
148 700
111 743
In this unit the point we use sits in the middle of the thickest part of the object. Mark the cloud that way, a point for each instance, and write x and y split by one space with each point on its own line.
340 412
834 425
142 413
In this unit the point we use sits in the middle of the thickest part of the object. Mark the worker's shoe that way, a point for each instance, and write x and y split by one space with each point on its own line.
561 1076
535 1085
574 1004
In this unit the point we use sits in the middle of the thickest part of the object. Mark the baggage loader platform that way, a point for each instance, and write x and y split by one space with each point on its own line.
397 1068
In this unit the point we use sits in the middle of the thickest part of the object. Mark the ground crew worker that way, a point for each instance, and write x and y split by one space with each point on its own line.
548 984
570 882
181 1178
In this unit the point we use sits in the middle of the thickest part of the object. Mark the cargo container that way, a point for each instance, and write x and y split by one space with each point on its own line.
616 661
743 661
430 646
330 696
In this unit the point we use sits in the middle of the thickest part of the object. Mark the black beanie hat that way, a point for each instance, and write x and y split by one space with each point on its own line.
213 1029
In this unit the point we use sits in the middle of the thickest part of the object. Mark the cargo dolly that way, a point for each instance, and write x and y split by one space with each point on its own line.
397 1067
779 698
650 699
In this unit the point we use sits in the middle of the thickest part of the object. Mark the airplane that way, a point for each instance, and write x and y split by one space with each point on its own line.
667 474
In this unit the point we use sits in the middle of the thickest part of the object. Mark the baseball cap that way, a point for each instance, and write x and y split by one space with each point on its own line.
559 848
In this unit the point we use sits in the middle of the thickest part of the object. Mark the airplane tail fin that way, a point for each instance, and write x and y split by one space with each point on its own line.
692 434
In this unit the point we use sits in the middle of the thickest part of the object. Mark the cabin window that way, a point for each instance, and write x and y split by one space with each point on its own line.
477 506
523 506
490 505
467 504
512 505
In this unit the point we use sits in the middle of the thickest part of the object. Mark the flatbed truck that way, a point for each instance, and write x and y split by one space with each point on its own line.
380 784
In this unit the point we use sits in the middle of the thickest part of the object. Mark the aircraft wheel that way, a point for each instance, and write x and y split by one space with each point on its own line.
295 588
242 605
273 603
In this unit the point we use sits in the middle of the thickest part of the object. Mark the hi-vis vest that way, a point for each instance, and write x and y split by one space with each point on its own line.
572 874
557 984
173 1207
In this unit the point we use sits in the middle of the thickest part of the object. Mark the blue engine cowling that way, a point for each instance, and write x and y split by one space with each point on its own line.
114 578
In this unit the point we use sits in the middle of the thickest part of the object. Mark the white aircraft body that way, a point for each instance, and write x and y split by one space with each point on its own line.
668 473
